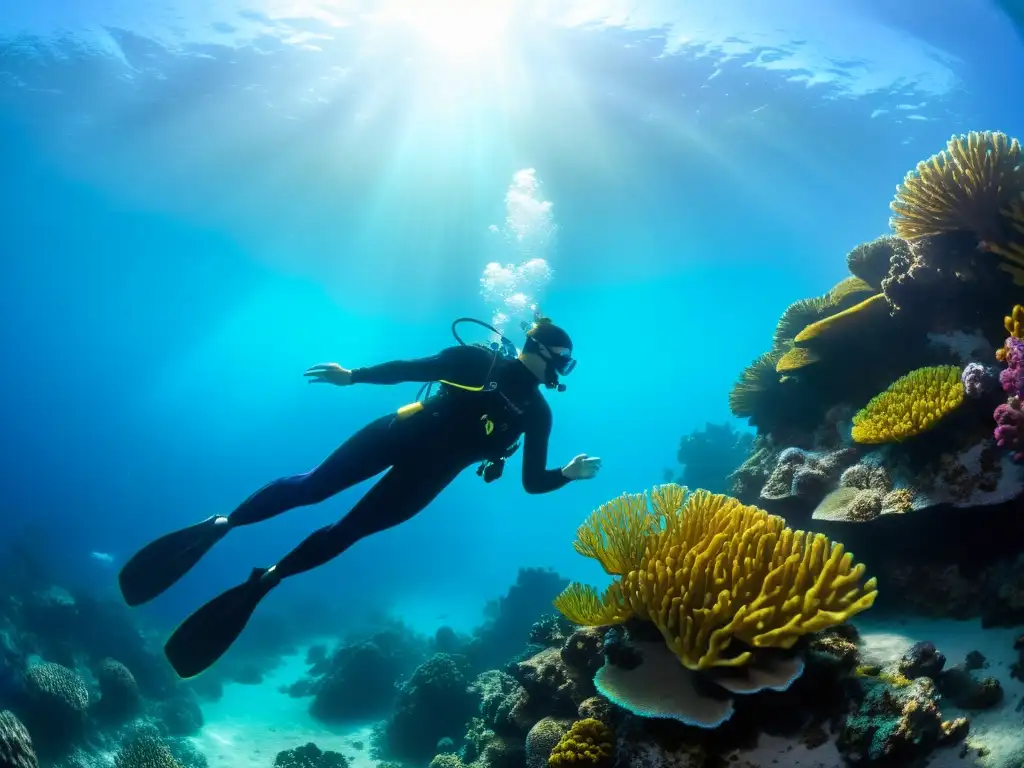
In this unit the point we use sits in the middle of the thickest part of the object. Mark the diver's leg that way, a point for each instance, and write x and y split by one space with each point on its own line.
162 562
368 452
208 633
398 496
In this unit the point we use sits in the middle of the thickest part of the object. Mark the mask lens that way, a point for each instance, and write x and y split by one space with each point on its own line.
564 364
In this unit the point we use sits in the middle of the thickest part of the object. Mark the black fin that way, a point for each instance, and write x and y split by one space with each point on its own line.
155 567
208 633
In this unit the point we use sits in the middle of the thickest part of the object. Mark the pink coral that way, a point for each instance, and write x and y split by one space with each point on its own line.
1010 427
1012 377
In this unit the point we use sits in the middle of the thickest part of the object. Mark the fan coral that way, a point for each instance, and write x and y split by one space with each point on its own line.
870 261
706 569
913 404
749 393
963 188
588 743
844 319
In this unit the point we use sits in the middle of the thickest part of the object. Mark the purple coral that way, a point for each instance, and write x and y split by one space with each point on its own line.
1012 377
1010 427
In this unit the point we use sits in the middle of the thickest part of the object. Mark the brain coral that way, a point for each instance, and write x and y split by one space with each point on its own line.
706 569
910 406
57 687
589 743
145 752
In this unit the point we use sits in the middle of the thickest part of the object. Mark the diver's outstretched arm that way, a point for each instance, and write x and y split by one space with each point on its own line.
460 364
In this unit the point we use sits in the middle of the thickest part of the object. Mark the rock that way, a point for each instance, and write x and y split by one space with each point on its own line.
921 660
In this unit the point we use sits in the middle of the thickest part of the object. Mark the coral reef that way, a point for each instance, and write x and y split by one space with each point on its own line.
434 703
357 680
709 456
309 756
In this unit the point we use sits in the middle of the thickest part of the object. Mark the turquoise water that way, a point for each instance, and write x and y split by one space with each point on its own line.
200 200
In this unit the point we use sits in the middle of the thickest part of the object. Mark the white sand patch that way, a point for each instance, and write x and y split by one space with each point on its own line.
250 724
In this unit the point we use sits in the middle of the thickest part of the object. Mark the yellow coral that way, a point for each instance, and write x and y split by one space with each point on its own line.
796 358
963 188
846 288
757 379
843 319
587 743
1014 325
581 604
716 569
912 405
614 534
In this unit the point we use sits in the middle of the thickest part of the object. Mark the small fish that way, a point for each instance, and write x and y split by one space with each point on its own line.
103 557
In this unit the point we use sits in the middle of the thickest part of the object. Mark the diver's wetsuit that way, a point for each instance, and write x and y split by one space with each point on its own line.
422 452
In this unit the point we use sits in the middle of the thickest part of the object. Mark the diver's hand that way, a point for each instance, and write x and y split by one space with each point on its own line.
329 373
582 467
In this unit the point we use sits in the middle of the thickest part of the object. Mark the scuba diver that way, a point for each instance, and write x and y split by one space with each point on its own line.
488 398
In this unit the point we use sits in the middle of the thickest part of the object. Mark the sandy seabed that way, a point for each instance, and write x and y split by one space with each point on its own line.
252 723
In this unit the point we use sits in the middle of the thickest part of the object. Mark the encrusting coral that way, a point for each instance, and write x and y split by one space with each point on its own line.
913 404
589 743
707 570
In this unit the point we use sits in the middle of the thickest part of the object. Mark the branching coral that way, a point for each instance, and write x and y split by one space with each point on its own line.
1014 324
715 571
588 744
913 404
963 188
1009 416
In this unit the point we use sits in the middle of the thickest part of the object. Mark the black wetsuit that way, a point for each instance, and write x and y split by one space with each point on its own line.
422 452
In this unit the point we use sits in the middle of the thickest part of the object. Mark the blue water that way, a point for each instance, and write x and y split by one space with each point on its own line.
199 200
